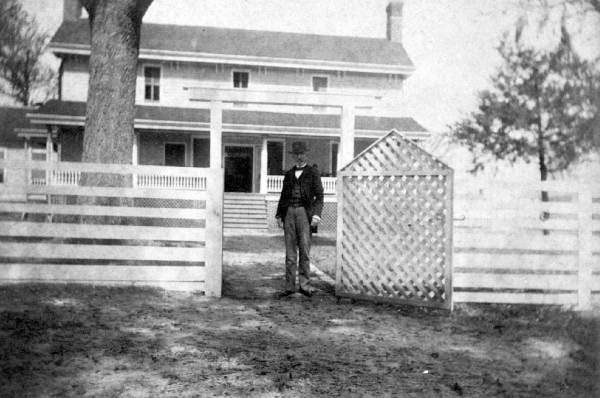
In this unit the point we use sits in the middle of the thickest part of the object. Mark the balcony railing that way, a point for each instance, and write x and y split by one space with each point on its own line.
275 184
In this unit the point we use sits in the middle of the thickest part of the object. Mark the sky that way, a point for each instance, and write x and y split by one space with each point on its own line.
451 42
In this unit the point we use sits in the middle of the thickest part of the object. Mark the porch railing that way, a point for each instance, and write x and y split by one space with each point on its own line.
64 177
170 182
275 184
72 178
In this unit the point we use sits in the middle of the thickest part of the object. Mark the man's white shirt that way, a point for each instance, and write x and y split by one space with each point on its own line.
299 170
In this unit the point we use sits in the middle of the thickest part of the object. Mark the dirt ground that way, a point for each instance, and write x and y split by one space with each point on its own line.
81 341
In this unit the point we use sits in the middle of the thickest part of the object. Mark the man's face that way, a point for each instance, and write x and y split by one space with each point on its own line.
300 158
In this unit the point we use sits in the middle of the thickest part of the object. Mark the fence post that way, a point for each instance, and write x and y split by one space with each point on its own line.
214 232
339 231
584 258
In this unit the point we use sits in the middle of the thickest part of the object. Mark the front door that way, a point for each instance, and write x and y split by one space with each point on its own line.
238 168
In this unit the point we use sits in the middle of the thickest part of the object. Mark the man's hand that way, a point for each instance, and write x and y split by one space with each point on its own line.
279 222
315 221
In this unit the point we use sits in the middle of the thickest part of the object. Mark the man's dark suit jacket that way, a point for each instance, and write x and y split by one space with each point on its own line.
311 190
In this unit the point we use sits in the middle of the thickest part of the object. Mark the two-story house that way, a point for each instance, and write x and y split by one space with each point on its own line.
338 94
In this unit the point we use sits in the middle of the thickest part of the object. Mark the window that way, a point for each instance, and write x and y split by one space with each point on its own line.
334 157
2 171
319 83
240 79
175 154
275 158
152 83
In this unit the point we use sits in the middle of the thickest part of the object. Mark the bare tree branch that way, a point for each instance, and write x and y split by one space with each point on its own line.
21 48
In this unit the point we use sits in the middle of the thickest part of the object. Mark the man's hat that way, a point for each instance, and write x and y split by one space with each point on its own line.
299 147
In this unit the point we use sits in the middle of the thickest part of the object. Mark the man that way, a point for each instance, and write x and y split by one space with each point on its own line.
299 209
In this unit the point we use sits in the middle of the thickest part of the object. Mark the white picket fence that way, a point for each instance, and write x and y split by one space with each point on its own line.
150 236
510 247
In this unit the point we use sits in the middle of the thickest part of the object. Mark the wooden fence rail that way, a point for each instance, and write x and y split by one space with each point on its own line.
141 236
510 247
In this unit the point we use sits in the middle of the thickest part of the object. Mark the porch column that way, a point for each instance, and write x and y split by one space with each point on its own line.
134 157
134 151
216 134
347 138
49 153
264 161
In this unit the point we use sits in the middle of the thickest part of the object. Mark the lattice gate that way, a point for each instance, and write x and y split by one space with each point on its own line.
394 234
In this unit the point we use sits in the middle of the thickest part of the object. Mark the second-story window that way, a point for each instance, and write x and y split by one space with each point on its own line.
319 83
240 79
152 83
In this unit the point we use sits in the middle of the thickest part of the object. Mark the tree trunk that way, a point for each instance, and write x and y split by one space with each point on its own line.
108 137
115 32
543 171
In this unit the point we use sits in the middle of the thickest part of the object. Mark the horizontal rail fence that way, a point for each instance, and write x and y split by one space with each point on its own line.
510 247
113 235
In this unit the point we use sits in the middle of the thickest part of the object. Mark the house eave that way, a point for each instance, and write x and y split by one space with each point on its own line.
197 57
251 129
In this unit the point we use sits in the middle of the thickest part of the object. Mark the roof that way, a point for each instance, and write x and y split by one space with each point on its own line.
59 112
13 119
240 45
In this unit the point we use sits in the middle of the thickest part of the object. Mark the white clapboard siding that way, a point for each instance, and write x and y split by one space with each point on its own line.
85 210
90 231
100 252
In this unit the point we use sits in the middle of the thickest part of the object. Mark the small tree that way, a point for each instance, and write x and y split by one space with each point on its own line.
22 71
543 105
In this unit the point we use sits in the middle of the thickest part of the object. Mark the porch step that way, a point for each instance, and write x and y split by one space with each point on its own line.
244 211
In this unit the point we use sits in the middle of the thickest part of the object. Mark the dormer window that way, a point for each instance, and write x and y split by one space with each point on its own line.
240 79
152 83
319 83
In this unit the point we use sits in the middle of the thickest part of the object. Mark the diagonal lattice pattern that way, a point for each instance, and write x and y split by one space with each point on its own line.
394 239
394 245
394 152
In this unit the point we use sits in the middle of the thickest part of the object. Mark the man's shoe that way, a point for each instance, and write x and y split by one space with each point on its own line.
307 293
285 293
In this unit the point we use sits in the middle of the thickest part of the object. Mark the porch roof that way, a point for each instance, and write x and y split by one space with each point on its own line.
256 47
197 119
13 123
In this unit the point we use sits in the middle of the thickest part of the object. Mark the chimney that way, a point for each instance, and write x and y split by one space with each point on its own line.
394 21
71 10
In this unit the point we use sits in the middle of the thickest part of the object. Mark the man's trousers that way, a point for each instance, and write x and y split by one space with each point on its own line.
297 247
